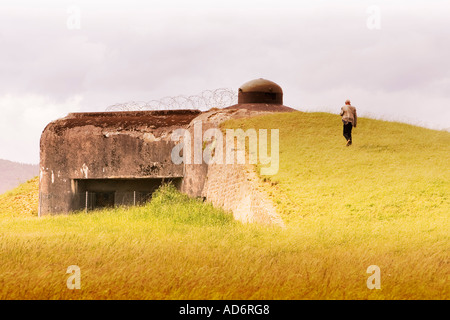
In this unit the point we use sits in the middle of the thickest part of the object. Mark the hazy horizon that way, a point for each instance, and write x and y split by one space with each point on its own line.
390 58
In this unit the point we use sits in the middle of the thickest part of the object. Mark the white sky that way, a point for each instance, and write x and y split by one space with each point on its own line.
319 52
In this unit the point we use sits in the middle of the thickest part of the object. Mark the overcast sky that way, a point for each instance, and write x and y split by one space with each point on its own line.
391 58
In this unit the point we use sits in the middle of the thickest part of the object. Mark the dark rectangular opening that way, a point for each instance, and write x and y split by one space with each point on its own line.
89 194
104 199
271 95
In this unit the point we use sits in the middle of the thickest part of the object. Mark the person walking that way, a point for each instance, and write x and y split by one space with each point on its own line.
349 119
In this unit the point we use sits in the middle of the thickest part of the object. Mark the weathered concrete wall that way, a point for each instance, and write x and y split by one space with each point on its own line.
111 153
106 145
194 173
234 187
138 145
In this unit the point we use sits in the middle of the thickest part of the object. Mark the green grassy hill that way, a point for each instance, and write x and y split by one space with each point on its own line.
391 170
383 201
22 201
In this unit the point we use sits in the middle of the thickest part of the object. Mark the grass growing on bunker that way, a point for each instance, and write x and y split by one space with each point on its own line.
383 201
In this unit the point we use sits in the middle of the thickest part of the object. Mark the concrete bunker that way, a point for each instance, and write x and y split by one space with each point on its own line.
260 91
105 159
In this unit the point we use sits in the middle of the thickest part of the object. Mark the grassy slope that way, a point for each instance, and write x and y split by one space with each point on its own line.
383 201
386 197
21 201
392 169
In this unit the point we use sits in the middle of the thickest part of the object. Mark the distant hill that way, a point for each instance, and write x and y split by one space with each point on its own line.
13 174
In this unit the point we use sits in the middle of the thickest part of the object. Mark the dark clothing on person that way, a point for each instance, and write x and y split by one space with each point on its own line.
348 131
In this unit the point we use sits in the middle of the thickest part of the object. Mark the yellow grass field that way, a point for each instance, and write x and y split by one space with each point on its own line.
383 201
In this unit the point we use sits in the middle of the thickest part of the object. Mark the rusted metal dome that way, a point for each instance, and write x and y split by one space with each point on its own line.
260 91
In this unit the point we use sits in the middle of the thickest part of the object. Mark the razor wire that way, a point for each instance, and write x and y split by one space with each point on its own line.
207 99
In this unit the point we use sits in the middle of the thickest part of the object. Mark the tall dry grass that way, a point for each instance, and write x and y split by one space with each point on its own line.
384 201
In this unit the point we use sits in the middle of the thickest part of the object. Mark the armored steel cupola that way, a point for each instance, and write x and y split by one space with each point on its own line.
260 91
